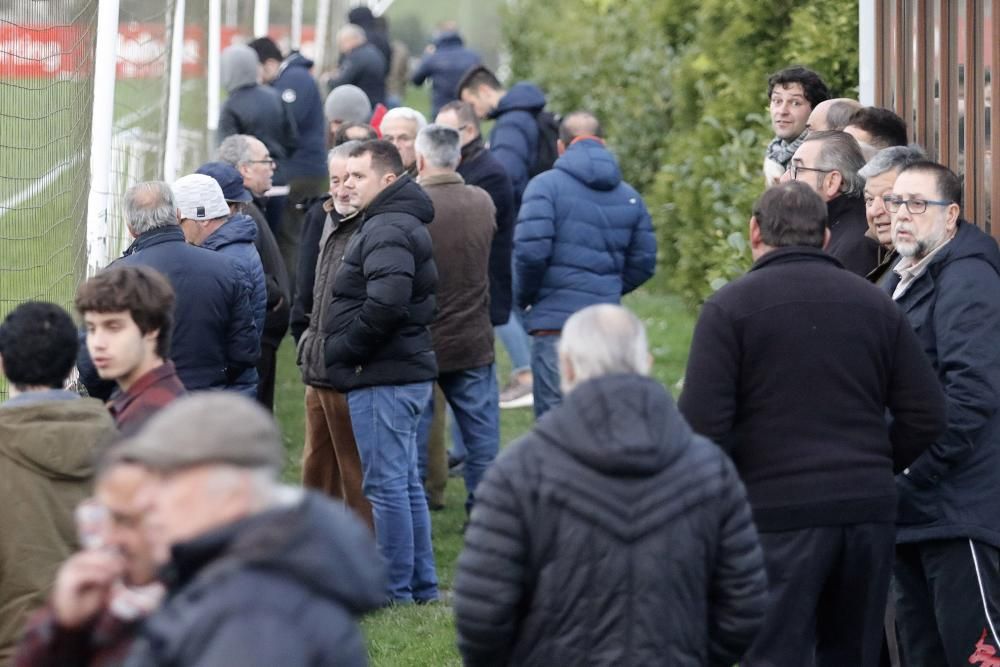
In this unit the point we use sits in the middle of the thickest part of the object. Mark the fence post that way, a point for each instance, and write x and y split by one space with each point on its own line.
102 125
214 52
172 147
866 52
295 37
261 17
322 26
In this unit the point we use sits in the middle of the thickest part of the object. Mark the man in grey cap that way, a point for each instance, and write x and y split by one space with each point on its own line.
346 104
203 215
240 201
249 563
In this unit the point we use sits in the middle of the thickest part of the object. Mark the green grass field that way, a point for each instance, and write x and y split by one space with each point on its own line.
423 636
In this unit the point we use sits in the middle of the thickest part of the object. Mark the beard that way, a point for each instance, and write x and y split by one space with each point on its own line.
917 248
344 208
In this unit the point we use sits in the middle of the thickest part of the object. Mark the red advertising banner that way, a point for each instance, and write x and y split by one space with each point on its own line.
34 52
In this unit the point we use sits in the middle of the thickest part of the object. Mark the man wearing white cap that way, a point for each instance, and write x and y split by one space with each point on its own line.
203 215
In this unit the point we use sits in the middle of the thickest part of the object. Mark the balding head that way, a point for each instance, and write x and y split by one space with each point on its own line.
148 206
350 37
602 340
579 124
832 114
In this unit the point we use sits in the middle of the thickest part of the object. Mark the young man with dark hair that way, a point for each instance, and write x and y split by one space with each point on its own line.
793 93
128 315
877 128
792 370
379 352
49 440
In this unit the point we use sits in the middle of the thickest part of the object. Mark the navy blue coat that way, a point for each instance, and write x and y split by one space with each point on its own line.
258 110
235 239
481 169
214 338
298 89
364 67
445 67
583 236
953 489
514 138
284 587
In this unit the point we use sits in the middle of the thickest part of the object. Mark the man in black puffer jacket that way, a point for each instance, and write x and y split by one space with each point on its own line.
612 534
379 352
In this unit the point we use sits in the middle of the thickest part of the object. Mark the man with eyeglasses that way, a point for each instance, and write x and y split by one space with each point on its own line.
828 162
948 536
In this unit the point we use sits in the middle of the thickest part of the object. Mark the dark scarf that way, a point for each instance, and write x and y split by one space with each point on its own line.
781 151
472 149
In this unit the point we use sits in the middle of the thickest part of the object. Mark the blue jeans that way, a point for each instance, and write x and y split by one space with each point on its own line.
516 342
545 373
475 400
385 422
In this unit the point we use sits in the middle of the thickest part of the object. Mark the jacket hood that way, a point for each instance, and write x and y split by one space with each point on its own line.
362 16
309 539
618 425
296 59
403 196
449 38
521 96
590 162
970 242
238 67
240 228
59 440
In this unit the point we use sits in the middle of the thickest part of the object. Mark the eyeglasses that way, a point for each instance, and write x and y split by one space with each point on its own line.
269 161
794 169
914 206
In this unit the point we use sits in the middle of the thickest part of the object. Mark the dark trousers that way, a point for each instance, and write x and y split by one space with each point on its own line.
289 234
827 589
943 589
266 370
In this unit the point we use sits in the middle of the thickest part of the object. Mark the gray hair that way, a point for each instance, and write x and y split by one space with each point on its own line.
841 152
440 145
343 151
352 30
406 113
894 157
148 206
601 340
839 113
235 149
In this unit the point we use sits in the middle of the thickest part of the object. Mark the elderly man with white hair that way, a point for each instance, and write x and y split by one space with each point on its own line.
400 127
611 534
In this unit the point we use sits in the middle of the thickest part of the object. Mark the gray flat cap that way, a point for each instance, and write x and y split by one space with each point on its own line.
206 427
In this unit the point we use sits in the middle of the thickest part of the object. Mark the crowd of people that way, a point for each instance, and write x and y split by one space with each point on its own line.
822 493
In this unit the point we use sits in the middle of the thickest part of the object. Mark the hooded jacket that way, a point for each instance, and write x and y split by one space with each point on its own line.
583 237
610 535
480 168
298 90
444 66
235 239
284 587
48 452
255 109
383 295
215 338
953 489
514 137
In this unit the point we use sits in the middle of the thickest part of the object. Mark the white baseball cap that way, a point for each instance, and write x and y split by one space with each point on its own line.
199 197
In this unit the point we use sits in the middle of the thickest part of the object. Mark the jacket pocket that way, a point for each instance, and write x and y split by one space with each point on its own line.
914 503
300 350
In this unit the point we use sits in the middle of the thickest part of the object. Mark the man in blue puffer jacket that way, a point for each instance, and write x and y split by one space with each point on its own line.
583 236
206 222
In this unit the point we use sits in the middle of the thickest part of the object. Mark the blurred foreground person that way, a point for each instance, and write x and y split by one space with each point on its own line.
49 439
947 283
103 593
612 534
792 370
128 314
259 575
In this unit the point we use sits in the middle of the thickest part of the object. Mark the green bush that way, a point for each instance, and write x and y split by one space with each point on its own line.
680 85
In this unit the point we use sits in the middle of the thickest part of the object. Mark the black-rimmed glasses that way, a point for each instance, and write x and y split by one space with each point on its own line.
915 205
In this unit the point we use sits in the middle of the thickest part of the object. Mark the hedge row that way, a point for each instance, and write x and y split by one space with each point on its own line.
680 86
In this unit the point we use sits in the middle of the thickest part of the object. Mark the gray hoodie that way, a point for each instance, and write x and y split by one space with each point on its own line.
239 67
